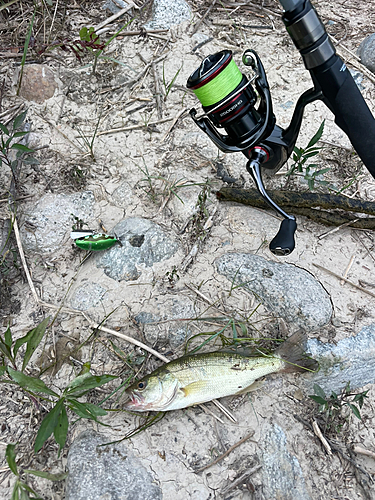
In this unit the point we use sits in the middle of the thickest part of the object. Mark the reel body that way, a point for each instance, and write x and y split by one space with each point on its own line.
229 103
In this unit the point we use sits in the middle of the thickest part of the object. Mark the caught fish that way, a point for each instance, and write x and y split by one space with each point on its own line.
198 378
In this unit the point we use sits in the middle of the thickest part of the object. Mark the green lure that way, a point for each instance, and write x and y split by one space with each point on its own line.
96 242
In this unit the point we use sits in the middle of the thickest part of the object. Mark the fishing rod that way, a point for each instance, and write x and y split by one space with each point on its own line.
229 102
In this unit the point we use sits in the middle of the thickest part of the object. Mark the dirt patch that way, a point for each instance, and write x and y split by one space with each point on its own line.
122 134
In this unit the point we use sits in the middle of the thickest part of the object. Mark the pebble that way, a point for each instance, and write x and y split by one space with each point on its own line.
168 13
366 52
38 83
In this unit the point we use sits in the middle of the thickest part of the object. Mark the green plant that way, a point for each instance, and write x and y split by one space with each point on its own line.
8 142
331 407
300 157
25 49
89 143
56 421
168 86
21 490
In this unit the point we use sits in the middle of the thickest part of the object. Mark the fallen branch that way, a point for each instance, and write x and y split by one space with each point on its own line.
362 451
323 440
302 203
344 279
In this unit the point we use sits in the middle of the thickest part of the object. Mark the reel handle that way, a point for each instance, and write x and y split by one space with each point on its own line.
283 243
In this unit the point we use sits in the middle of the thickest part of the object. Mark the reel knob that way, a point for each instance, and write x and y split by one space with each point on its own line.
283 243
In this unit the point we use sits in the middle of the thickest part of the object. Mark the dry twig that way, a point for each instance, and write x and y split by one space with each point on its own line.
229 450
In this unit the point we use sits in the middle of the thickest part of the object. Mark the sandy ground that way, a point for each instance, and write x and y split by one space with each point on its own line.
185 439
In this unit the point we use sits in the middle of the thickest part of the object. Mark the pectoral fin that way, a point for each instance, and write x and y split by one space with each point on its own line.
250 388
194 389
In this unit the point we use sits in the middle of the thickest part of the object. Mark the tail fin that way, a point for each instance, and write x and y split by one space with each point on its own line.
293 352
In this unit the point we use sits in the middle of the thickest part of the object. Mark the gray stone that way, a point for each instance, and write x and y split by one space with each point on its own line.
281 471
87 296
122 195
167 13
167 308
109 472
367 52
350 360
285 290
46 224
143 242
114 7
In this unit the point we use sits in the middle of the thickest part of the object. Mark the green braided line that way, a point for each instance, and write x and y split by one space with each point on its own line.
222 85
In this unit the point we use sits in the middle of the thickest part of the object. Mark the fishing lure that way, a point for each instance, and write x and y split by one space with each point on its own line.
88 240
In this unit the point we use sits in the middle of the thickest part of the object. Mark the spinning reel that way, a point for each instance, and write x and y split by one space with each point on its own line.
229 102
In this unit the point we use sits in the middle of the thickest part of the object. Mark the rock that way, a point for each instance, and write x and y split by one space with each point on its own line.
281 471
86 296
285 290
367 52
38 83
108 472
167 13
143 242
114 7
167 308
50 220
122 195
350 360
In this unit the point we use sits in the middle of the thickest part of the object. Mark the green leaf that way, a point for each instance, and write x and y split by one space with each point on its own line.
95 410
317 136
22 148
23 492
318 400
10 455
83 410
355 410
319 391
322 171
20 134
30 383
3 369
4 129
360 398
5 349
48 475
18 121
15 494
306 156
48 425
32 338
61 430
84 383
8 337
30 160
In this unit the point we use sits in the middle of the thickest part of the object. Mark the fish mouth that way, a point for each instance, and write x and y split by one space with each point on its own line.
136 402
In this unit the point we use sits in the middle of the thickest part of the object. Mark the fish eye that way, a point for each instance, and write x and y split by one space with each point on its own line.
142 385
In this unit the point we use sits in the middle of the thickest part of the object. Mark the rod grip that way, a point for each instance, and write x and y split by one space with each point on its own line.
353 116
